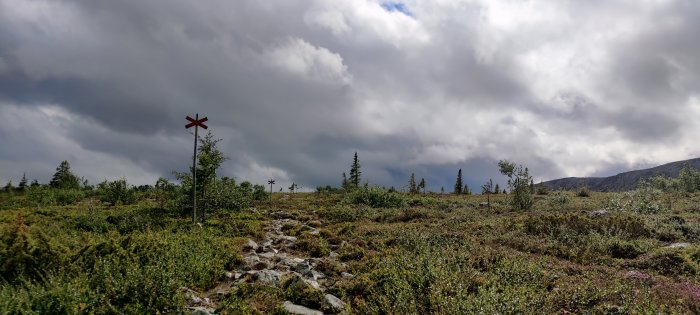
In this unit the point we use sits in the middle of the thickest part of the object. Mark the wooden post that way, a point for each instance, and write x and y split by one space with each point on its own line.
196 123
271 182
194 174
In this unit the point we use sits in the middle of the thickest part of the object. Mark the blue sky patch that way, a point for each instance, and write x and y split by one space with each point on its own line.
396 6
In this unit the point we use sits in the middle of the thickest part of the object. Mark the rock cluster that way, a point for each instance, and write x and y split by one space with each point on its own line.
272 262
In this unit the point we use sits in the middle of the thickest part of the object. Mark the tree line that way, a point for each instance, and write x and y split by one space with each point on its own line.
214 192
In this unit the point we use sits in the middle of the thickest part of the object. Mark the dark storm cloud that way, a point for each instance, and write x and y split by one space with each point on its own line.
294 88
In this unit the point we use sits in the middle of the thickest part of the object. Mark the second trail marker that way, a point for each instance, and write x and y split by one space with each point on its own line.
196 123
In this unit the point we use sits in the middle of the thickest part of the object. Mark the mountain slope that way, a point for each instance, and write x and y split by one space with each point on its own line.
623 181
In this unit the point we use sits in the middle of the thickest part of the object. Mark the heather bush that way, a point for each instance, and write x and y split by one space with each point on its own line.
375 197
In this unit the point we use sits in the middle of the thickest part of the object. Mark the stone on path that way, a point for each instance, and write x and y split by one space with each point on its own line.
299 310
598 213
250 244
347 275
332 304
200 310
269 277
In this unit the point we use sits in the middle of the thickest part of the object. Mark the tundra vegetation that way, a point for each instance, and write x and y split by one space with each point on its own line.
70 248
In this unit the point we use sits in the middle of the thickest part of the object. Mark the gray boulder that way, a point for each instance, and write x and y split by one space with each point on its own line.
678 245
250 244
299 310
598 213
347 275
269 277
334 305
200 310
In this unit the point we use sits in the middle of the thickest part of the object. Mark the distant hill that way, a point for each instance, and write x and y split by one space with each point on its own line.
620 182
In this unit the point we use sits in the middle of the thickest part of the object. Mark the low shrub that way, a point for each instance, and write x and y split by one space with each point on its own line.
583 192
670 262
116 192
375 197
314 245
351 252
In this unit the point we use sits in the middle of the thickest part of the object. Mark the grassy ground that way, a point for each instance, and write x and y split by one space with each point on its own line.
425 254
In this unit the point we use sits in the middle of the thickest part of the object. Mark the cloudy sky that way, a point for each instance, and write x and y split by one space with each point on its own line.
295 87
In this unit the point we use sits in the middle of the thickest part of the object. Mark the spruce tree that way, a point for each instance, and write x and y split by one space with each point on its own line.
355 172
422 184
9 188
23 182
487 189
64 178
497 190
346 182
459 183
412 187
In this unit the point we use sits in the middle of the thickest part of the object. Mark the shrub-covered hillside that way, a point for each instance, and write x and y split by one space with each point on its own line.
365 251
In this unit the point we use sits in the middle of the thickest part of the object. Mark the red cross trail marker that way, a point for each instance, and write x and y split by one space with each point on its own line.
196 123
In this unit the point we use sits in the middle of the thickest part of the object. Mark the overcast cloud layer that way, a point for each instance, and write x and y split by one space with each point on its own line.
567 88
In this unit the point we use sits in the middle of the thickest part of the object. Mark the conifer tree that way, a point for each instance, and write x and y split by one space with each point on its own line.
9 188
497 190
487 189
412 186
355 172
422 184
64 178
459 184
23 183
346 182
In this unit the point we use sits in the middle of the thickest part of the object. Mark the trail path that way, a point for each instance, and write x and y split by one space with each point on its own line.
267 263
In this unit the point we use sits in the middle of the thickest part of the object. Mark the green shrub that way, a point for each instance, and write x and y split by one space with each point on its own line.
519 180
670 262
623 249
27 253
298 291
558 198
375 197
623 225
314 245
644 198
68 196
224 194
167 195
259 192
116 192
351 252
583 192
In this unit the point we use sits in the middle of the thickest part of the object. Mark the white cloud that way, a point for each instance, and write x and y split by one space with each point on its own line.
571 88
298 57
43 133
366 22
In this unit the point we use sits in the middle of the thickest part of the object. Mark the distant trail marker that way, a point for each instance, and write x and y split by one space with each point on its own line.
196 123
271 182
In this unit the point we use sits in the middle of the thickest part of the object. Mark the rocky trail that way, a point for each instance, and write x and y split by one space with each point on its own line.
273 261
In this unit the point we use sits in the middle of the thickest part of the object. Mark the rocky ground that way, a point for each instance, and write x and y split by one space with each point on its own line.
274 261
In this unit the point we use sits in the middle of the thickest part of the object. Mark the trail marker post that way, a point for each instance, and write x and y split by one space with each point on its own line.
271 182
196 123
